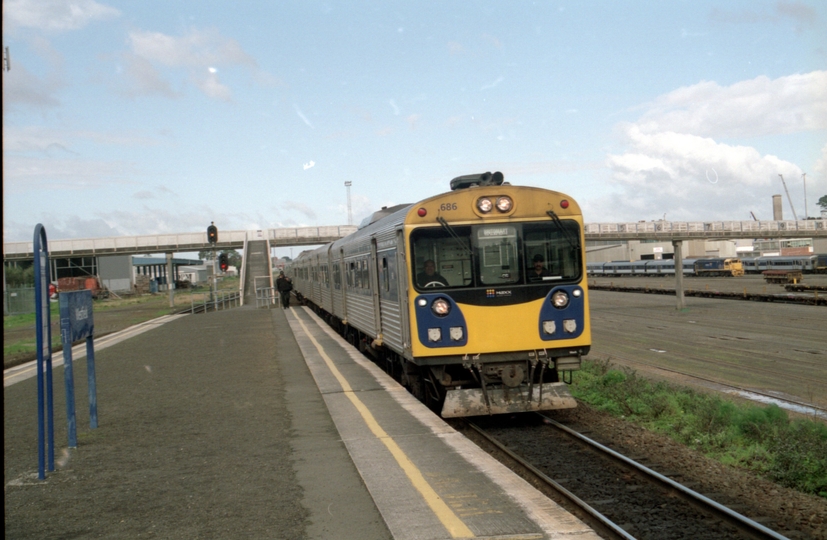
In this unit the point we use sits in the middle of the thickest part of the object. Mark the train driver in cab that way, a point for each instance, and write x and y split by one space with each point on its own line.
539 270
429 276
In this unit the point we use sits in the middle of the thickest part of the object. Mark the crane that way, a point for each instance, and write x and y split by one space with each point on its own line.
788 197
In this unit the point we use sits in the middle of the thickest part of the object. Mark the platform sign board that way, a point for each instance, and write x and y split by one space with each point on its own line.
43 332
77 323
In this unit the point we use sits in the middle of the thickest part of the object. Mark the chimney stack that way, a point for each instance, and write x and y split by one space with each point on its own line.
777 213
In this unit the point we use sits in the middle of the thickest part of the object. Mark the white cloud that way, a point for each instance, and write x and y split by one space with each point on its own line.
301 208
24 174
55 14
200 53
196 48
673 162
21 87
759 106
687 177
144 79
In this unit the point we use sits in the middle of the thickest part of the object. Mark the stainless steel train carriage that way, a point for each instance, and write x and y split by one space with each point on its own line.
500 321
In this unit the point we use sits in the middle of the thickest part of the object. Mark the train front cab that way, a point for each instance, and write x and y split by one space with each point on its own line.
497 339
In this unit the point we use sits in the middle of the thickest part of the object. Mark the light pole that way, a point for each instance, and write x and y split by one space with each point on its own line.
804 179
348 183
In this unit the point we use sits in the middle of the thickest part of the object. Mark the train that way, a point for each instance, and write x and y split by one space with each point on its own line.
710 266
475 299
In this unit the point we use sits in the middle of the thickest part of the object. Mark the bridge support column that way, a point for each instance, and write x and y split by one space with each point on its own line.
170 281
681 303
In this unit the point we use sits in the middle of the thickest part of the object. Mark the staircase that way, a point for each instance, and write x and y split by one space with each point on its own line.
257 272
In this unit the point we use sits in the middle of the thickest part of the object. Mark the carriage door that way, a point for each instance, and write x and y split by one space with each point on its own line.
389 297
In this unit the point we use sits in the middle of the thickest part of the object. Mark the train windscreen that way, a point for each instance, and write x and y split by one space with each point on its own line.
496 254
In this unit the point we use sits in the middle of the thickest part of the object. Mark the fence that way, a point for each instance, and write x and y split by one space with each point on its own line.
205 301
266 296
18 301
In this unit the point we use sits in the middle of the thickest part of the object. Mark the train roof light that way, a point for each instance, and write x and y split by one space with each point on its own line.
504 204
485 205
480 179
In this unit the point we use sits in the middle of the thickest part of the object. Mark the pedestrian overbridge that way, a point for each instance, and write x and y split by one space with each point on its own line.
309 236
177 243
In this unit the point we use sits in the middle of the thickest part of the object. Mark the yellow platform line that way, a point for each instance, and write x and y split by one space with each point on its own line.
449 519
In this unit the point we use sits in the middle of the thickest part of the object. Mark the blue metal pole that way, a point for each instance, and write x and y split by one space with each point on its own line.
69 380
43 331
93 392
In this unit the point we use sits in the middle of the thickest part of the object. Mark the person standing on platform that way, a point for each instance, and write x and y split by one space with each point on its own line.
284 285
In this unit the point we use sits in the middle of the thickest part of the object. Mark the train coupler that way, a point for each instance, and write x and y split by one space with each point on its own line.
498 399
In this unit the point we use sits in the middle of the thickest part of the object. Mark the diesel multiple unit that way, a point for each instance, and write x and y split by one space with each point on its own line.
475 299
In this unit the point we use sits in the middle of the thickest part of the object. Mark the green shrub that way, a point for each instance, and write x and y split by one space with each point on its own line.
759 438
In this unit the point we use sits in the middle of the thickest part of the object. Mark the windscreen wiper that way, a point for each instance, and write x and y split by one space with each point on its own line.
455 236
572 239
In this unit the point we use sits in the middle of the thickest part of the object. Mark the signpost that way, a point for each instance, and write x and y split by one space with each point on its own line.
76 323
43 328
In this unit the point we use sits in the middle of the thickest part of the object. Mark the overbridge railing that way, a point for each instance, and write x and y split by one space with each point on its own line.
298 236
707 229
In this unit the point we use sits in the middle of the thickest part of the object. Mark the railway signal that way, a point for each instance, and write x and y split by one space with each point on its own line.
223 262
212 233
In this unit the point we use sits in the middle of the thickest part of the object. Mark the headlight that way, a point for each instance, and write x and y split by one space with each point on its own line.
560 299
569 325
434 334
456 333
485 205
441 307
549 327
504 204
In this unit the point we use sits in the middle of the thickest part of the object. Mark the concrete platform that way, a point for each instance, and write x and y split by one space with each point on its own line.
254 423
427 480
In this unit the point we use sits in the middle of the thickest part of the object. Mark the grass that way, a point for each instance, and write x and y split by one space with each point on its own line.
763 439
19 337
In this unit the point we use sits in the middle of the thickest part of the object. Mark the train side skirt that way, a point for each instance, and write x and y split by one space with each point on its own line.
501 399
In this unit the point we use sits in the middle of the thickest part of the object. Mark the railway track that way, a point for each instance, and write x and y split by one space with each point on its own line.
788 298
615 494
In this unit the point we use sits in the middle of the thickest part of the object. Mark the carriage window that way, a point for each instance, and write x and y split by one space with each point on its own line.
337 276
556 246
451 257
497 254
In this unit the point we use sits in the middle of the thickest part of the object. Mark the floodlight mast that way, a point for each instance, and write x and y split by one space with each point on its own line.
788 197
348 183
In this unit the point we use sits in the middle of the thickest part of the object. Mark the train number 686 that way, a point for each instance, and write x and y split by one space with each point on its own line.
448 206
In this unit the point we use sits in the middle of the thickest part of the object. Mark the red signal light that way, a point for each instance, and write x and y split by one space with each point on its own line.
564 203
422 212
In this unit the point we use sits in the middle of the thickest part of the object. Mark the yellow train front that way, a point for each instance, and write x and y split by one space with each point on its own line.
476 299
503 318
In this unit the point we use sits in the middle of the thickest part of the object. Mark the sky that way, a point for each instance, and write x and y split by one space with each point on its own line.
129 118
